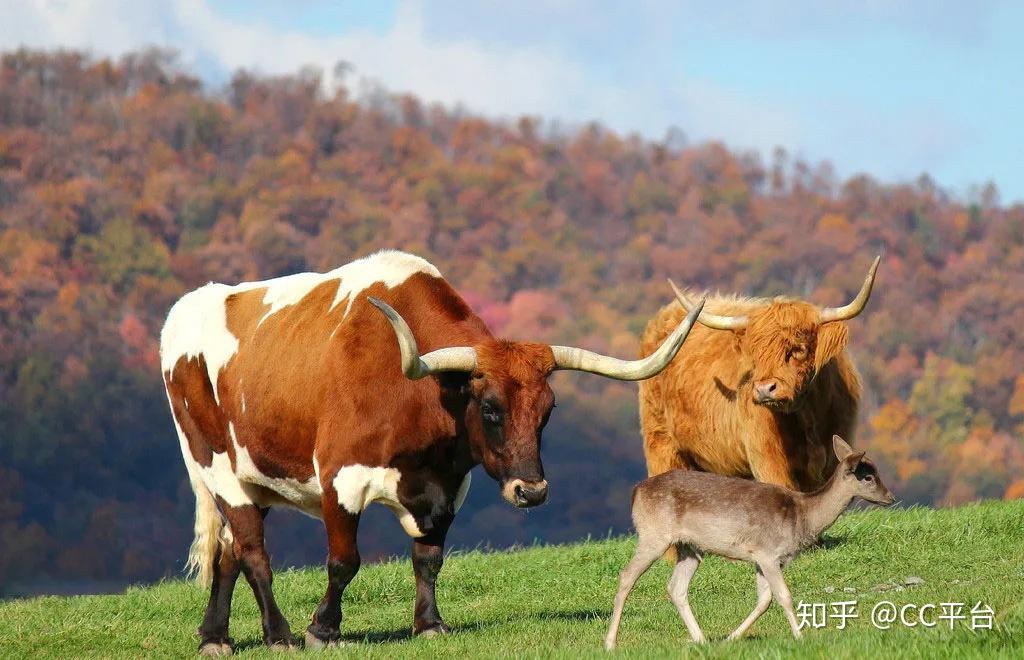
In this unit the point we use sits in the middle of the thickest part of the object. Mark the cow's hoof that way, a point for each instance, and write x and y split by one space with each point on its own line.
315 643
215 649
434 631
283 647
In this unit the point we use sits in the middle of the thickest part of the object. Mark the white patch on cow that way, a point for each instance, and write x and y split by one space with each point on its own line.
243 402
358 486
288 290
460 496
304 495
218 477
197 323
390 267
223 482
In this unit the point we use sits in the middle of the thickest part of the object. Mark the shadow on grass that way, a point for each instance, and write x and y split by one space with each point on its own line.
404 634
827 542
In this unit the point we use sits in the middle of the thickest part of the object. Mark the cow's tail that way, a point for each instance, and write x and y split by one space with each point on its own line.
209 534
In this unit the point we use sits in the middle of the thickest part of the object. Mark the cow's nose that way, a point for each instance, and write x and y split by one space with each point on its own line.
765 390
525 494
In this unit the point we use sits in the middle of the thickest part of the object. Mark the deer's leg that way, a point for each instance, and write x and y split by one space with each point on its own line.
213 633
246 523
764 599
647 552
342 565
679 588
773 574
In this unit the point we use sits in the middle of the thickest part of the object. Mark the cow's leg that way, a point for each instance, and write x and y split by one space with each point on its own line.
342 566
427 558
213 633
661 450
766 451
246 523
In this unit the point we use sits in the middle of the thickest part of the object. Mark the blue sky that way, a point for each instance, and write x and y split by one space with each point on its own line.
892 88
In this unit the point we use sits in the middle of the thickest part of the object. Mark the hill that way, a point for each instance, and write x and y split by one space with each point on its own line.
125 183
554 601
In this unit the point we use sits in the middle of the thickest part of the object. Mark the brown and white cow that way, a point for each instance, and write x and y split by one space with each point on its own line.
761 400
295 392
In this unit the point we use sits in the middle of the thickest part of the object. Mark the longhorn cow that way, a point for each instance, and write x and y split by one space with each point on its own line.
294 392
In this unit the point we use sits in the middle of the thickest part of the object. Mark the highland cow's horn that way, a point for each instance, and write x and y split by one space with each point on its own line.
416 366
578 359
707 318
854 308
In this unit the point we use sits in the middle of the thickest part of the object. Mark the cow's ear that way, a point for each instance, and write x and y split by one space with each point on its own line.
832 338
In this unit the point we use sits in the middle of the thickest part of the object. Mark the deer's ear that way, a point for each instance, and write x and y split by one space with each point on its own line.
832 338
842 448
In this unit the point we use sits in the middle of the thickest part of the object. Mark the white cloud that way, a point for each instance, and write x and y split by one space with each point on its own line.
503 80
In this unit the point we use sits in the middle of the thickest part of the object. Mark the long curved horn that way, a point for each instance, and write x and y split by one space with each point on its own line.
578 359
416 366
857 306
707 318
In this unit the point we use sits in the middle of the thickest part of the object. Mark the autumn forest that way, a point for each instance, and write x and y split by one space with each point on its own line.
125 183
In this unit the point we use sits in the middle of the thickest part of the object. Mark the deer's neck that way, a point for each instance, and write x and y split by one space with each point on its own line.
823 506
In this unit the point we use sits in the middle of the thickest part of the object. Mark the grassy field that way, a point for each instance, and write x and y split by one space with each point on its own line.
554 601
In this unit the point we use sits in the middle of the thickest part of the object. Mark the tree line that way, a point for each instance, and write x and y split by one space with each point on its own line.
125 183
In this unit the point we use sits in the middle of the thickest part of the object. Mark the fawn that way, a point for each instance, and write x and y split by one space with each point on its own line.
762 523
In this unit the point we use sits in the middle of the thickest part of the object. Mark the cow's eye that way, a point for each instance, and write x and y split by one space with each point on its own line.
491 413
798 352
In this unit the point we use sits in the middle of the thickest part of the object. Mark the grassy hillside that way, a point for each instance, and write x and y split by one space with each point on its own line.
555 600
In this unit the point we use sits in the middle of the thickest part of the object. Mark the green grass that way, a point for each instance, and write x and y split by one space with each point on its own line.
554 601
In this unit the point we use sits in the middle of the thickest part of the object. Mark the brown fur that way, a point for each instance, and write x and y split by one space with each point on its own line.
700 412
202 420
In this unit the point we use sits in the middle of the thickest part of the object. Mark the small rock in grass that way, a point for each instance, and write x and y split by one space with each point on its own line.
913 581
829 590
849 590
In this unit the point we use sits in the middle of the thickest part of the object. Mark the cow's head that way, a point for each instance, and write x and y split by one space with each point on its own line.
510 399
785 343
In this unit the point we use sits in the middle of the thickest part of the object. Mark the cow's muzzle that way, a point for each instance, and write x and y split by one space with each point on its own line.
524 494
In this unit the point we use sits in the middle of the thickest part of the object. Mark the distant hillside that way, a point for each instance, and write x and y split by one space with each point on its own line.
125 183
554 601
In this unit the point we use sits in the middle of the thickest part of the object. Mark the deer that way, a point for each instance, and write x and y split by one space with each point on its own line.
768 525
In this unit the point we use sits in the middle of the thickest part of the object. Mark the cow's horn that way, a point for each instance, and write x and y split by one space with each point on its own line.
854 308
414 365
578 359
707 318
